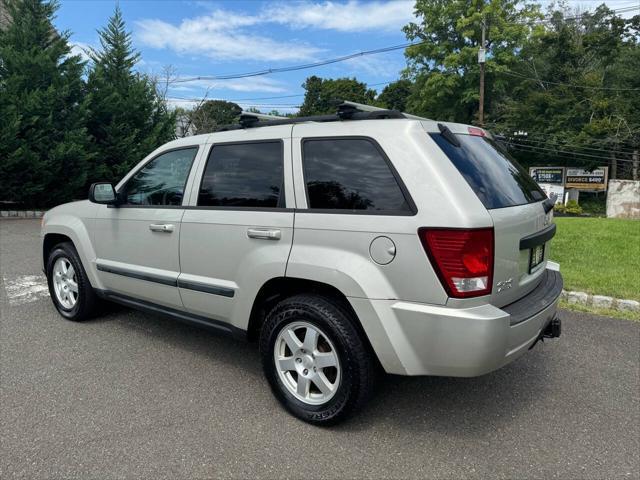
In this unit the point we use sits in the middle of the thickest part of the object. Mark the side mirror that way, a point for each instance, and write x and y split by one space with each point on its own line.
103 193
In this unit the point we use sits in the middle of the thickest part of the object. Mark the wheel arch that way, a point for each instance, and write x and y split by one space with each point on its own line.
70 229
49 241
277 289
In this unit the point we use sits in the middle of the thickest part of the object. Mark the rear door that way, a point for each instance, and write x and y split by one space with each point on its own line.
237 232
515 202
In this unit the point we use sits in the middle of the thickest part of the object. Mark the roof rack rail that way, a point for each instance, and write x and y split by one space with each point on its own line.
249 119
347 106
346 110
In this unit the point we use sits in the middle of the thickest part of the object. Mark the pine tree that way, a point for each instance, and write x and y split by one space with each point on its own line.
43 142
127 117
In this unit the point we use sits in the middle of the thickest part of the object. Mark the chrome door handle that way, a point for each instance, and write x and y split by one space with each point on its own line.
264 233
161 227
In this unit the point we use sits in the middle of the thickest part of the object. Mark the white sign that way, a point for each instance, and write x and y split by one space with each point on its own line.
552 189
481 55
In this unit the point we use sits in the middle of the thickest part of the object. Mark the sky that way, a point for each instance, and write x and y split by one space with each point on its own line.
204 38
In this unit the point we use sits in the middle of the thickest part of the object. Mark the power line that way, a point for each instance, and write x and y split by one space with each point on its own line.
343 58
569 145
301 67
562 157
278 96
264 105
543 149
630 8
526 77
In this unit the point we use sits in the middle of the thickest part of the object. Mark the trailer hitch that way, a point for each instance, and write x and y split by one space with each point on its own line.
553 329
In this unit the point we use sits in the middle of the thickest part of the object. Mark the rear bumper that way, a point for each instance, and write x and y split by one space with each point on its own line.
435 340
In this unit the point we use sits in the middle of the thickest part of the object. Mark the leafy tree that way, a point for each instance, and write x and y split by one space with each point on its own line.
127 117
321 94
43 142
445 67
214 113
573 91
395 95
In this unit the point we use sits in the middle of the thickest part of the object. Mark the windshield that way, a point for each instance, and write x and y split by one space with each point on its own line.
497 179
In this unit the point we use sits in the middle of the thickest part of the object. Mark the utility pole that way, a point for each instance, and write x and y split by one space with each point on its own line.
481 61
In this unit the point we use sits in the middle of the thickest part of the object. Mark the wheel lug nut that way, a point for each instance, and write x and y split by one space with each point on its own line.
315 369
305 371
298 360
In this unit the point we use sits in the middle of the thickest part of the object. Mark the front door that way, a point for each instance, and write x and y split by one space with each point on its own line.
237 232
137 242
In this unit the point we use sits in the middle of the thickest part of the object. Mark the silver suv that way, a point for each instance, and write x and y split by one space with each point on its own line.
340 243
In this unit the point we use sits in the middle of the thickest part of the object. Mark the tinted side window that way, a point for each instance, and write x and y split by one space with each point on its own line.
243 175
350 174
162 180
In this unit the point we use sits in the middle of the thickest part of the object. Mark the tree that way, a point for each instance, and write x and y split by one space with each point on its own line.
214 113
573 92
43 142
445 67
395 95
321 94
127 117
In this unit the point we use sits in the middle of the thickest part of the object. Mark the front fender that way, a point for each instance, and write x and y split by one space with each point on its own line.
77 229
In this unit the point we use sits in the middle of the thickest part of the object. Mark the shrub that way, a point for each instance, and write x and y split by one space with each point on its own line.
572 207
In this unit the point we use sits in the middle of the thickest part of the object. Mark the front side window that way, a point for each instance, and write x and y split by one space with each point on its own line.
350 174
161 181
243 175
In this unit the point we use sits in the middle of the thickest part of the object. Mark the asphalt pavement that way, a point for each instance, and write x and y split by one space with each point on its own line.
130 395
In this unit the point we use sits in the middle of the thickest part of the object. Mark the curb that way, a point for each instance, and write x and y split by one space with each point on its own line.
600 301
21 213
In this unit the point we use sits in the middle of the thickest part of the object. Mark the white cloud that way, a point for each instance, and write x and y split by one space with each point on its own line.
377 66
220 35
226 35
251 84
82 49
352 16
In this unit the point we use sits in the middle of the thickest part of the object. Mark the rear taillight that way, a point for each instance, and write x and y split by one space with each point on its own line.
477 132
463 259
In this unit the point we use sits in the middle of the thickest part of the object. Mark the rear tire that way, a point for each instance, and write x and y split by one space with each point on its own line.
69 286
326 371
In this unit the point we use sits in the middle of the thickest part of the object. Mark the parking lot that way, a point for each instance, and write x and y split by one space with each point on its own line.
131 395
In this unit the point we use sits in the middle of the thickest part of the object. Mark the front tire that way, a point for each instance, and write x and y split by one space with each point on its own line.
317 363
69 287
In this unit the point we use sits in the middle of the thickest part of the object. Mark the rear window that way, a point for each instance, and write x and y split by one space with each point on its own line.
243 175
351 174
498 180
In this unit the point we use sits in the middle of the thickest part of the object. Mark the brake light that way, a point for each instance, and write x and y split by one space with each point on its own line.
463 259
477 132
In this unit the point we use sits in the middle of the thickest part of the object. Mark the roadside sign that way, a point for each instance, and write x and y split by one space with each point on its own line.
551 180
552 175
581 179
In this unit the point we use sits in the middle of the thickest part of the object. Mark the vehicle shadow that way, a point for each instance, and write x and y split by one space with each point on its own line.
457 406
450 406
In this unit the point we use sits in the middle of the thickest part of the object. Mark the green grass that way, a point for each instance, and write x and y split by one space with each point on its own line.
599 255
604 312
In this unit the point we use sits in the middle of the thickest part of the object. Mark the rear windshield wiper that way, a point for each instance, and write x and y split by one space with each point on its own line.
448 135
549 203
